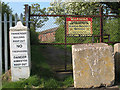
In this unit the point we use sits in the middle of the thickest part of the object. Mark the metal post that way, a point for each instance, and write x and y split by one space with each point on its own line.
29 16
10 25
65 47
16 18
21 17
5 43
92 38
0 44
101 24
26 10
10 19
29 21
108 38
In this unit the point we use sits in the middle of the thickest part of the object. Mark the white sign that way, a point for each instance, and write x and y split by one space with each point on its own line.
19 50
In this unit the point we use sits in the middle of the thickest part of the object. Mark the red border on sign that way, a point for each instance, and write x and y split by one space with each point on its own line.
78 19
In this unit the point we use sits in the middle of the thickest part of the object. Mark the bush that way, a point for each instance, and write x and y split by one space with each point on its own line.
34 37
60 34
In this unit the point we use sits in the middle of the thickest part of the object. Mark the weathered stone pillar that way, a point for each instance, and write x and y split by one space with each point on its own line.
93 65
117 61
19 52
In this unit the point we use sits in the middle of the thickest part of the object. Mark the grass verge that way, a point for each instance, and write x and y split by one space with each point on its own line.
42 75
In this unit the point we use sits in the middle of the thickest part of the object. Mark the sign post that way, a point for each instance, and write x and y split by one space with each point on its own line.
19 52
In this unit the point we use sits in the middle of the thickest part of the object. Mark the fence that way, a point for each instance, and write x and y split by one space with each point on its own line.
5 23
101 30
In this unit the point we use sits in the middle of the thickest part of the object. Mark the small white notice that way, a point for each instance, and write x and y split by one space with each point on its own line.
19 52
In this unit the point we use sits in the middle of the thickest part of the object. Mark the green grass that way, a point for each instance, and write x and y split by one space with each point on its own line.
68 81
39 65
25 83
42 75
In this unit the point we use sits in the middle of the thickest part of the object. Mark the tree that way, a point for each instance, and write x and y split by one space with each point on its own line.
5 9
34 36
38 22
72 8
112 25
114 6
88 8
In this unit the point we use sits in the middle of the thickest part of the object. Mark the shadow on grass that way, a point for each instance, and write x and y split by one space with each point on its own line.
39 65
41 68
41 74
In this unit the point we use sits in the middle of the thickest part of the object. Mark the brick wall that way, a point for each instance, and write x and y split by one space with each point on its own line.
47 37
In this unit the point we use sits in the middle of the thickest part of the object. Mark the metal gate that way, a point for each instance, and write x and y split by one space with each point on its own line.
100 34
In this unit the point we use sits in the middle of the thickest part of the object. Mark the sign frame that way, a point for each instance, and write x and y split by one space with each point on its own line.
76 20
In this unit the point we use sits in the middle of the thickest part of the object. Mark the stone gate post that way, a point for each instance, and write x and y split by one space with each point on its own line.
20 52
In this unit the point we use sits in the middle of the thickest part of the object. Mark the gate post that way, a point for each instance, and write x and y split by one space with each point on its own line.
0 44
65 46
29 12
101 24
20 52
26 11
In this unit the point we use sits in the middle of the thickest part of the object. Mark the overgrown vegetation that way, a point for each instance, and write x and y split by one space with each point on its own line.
25 83
38 22
42 75
34 36
111 25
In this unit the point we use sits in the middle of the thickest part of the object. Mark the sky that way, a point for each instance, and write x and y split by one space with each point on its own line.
18 7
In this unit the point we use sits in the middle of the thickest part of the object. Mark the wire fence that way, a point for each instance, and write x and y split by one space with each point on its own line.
105 28
111 26
57 34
